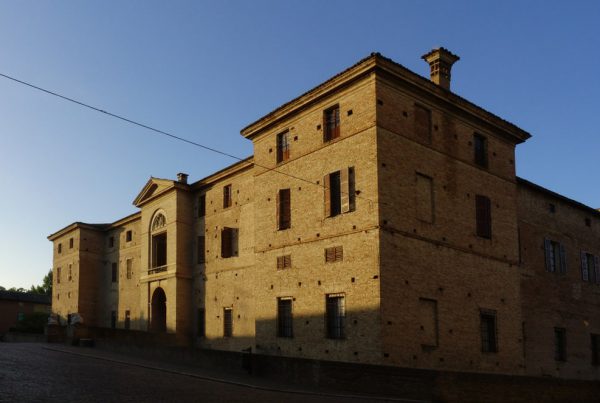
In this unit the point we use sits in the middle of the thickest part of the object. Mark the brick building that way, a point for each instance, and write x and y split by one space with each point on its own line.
378 221
15 306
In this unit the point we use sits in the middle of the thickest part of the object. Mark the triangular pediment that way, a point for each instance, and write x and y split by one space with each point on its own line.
153 188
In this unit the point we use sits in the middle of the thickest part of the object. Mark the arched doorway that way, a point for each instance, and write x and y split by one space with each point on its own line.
159 311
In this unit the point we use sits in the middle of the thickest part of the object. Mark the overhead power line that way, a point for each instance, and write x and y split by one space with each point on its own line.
164 133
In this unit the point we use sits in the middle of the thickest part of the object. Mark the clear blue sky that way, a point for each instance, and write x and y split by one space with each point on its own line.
204 70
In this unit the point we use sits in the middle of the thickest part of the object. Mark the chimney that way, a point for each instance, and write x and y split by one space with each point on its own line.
440 61
182 178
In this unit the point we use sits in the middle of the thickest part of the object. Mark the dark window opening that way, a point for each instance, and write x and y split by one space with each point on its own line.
335 316
128 236
331 123
114 272
58 275
111 241
227 322
60 248
227 196
595 339
590 268
284 213
201 249
159 250
283 147
113 319
489 338
201 322
480 150
335 194
202 206
229 242
127 320
129 264
560 344
284 317
340 193
71 243
483 216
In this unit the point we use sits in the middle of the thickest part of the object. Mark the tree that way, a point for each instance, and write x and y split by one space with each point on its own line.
46 287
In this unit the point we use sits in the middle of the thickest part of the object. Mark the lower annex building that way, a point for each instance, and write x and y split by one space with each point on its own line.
408 241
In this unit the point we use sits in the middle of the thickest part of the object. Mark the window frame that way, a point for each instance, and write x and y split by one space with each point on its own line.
227 196
483 216
331 123
480 150
488 330
285 317
227 322
335 316
284 209
283 146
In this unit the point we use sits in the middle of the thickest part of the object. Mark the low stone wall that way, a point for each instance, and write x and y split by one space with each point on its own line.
19 337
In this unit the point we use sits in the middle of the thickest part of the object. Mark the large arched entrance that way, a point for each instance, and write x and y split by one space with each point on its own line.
159 311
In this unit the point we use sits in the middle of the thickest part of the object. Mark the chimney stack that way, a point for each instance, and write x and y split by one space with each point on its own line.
440 61
182 178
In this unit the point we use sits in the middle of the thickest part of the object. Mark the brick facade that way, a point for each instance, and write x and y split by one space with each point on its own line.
409 241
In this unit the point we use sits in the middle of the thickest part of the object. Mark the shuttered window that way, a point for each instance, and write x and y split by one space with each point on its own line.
228 242
284 317
227 322
331 123
480 150
284 262
334 254
284 213
590 268
335 316
283 146
423 123
556 257
483 216
201 248
340 192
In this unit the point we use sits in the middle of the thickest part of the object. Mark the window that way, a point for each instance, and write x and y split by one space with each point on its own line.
428 322
227 322
590 268
556 261
489 338
128 236
335 316
283 146
113 319
284 219
228 242
114 273
227 196
284 262
560 344
480 150
483 216
127 320
284 317
552 208
202 206
159 250
424 193
60 248
70 274
423 123
129 264
334 254
71 243
201 249
595 340
340 192
588 222
111 241
201 322
58 275
331 123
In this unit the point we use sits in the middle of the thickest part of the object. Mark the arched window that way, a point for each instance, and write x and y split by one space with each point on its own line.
158 222
158 244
